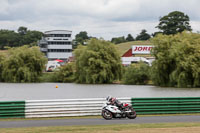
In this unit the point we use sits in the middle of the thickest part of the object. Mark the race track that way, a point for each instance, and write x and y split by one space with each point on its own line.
98 121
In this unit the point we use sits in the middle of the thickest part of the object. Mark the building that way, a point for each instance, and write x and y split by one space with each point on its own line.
56 44
136 54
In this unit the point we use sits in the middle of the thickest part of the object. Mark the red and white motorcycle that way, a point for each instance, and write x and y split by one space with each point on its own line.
110 111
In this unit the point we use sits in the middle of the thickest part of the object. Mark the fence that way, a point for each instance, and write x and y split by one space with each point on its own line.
12 109
167 105
88 107
66 107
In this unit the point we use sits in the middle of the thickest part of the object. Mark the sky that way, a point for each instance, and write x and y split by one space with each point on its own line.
100 18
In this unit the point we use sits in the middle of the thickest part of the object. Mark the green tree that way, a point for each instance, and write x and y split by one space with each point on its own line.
174 23
1 66
23 37
117 40
23 64
81 37
66 73
22 30
98 62
177 60
31 38
137 74
129 38
8 38
143 35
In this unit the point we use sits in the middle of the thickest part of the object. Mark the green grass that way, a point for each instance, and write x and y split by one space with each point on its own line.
123 47
47 77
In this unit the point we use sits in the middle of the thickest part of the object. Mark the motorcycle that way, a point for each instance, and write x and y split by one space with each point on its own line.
111 111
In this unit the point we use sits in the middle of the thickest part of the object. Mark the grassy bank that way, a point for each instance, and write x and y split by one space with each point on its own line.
123 128
123 47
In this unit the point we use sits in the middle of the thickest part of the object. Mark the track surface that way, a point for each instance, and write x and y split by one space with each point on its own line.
98 121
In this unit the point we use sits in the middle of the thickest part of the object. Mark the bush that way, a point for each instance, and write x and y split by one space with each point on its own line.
65 73
23 64
98 62
136 74
48 77
1 66
177 60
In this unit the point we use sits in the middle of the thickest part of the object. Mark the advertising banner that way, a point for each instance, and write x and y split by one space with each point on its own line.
141 49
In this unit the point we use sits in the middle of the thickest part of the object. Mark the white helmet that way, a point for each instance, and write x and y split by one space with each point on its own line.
108 98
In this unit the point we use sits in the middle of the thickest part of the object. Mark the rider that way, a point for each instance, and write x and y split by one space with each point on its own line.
114 101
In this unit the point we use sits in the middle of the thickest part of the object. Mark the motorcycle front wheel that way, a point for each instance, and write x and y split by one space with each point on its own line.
107 114
132 114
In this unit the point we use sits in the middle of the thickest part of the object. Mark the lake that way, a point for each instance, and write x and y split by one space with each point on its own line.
38 91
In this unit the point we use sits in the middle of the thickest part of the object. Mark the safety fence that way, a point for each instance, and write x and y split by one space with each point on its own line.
12 109
166 105
93 106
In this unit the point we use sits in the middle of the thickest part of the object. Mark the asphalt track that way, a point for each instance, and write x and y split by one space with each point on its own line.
98 121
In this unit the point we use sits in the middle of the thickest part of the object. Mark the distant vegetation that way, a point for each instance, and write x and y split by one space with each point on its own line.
176 50
22 37
98 62
177 61
137 74
23 64
123 47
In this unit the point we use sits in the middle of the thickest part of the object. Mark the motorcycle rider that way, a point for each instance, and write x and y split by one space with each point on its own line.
115 102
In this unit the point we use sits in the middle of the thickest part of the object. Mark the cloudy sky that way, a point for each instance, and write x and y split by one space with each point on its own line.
100 18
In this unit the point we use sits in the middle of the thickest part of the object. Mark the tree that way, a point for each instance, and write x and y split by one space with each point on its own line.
174 23
98 62
66 73
117 40
1 66
22 30
143 35
31 38
23 37
177 60
129 38
81 37
136 74
8 38
23 64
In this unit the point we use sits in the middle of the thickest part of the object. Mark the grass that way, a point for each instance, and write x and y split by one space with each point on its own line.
86 117
123 47
47 77
119 128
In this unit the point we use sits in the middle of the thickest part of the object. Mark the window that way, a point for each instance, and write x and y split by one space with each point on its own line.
59 50
59 43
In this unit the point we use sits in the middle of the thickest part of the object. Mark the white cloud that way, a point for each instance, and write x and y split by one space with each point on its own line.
101 18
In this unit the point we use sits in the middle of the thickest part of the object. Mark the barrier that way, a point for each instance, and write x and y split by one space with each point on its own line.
66 107
12 109
167 105
92 106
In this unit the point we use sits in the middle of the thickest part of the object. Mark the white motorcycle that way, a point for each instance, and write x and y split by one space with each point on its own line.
110 111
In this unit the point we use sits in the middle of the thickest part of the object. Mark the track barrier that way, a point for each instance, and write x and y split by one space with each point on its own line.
93 106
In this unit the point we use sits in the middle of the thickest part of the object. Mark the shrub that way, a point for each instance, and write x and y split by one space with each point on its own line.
65 73
98 62
136 74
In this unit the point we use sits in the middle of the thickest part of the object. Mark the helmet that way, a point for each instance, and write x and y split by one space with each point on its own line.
108 98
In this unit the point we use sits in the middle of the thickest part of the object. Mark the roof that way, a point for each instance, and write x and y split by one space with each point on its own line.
58 32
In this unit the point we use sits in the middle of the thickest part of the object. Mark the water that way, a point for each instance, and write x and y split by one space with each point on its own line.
38 91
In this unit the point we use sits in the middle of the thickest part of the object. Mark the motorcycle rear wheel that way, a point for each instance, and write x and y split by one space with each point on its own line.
106 114
132 114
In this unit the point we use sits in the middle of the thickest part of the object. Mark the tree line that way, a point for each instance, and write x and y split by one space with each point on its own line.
177 55
172 23
23 36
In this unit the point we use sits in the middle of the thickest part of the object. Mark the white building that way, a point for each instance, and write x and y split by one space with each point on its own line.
57 44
